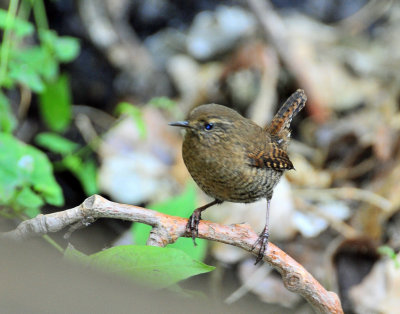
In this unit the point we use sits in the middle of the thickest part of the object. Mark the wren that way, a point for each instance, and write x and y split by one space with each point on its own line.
233 159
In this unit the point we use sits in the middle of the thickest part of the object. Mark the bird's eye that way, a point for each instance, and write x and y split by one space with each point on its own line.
208 126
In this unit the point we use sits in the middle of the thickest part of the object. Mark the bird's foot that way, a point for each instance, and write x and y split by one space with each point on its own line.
262 241
192 226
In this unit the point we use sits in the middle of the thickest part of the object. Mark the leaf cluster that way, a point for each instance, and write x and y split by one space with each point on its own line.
30 59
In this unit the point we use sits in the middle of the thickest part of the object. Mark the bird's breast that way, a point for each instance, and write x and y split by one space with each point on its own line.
223 171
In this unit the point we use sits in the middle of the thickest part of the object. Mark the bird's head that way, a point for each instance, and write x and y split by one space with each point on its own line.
210 123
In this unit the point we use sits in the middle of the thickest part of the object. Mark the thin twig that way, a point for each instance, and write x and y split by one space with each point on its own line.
254 279
347 193
167 229
87 130
340 226
365 17
7 39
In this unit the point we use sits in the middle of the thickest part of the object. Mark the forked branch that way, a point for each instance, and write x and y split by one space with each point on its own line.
167 229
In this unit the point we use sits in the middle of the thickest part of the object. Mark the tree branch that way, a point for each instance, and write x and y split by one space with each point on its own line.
167 229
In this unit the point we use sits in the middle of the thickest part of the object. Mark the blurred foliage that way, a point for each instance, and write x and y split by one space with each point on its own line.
26 178
7 119
162 102
125 108
153 266
32 65
75 158
35 64
20 27
38 66
84 170
31 55
55 104
389 252
56 143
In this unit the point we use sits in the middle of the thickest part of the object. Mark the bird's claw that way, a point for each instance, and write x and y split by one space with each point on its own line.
262 241
192 226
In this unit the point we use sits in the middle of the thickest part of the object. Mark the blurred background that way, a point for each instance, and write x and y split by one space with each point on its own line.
91 86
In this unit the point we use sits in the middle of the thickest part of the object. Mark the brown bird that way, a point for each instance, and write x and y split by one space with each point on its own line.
233 159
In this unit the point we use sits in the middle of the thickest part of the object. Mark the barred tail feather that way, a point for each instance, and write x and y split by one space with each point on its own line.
283 118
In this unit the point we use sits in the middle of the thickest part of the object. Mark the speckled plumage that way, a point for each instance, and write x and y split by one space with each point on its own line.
221 162
233 159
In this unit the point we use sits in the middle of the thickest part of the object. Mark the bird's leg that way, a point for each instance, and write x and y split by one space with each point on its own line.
263 238
192 226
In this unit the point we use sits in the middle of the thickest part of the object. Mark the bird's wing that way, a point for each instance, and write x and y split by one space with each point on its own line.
271 157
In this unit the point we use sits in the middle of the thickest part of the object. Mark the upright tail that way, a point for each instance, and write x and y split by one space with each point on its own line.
281 122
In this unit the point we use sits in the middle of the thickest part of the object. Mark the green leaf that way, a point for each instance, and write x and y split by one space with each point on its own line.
48 37
136 114
42 178
7 82
89 179
32 212
155 266
387 250
56 143
29 199
7 119
39 60
85 172
49 69
55 104
162 102
24 74
66 48
197 252
22 28
188 293
29 202
141 233
24 166
183 206
74 255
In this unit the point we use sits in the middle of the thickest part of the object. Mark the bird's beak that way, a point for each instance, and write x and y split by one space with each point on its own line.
183 124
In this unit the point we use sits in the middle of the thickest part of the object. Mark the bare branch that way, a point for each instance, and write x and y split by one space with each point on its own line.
167 229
